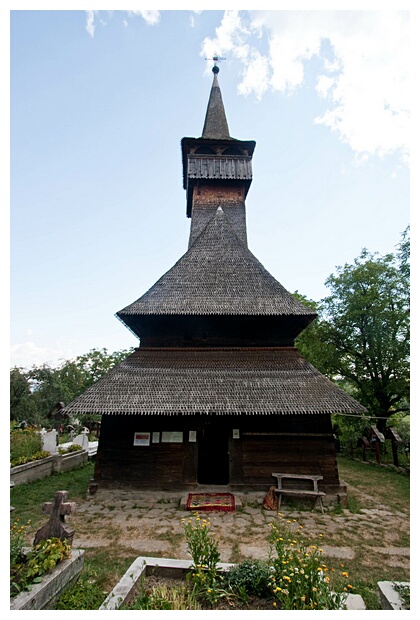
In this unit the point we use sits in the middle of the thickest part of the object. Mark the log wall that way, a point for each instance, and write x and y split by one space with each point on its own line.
266 444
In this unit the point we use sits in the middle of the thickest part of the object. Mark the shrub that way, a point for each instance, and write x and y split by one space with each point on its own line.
24 442
250 577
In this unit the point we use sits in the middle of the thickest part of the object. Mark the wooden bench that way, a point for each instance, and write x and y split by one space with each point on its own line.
294 484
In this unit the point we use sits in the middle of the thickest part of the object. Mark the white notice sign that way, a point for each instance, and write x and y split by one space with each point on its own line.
172 437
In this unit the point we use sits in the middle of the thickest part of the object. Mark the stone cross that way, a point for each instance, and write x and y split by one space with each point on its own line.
56 526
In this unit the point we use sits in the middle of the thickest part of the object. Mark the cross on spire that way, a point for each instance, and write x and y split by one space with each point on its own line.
216 59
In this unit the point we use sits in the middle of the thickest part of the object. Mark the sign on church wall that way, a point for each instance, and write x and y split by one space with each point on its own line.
172 436
141 439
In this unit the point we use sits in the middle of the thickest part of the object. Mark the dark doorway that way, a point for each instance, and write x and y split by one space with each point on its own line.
213 455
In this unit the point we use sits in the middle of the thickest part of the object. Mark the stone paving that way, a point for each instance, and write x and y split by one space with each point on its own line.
149 523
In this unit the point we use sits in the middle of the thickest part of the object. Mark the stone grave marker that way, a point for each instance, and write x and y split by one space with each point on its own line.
82 440
49 441
56 526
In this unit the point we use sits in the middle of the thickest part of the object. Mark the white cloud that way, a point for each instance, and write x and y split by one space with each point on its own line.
230 36
28 354
150 17
90 22
363 77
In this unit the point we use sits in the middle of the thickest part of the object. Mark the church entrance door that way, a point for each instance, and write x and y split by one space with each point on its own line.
213 455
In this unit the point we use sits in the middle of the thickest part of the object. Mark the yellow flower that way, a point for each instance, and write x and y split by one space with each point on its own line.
274 604
349 586
345 573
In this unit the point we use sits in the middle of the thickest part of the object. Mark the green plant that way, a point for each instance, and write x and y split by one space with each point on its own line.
299 579
73 448
165 597
17 542
404 592
250 576
204 550
87 593
38 561
36 456
24 442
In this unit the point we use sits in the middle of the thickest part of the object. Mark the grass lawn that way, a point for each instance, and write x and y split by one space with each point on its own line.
388 486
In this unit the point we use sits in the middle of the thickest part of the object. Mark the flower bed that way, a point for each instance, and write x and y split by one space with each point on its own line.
36 470
294 578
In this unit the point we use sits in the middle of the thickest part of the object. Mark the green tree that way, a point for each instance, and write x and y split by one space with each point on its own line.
34 393
21 406
361 338
97 363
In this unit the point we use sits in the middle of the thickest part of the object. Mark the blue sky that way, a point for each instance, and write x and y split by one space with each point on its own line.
99 102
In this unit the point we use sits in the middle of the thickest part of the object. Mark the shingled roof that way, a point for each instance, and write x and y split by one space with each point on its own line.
218 275
214 381
215 123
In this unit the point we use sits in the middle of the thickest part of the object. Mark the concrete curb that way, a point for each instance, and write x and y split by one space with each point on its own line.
124 591
390 598
167 567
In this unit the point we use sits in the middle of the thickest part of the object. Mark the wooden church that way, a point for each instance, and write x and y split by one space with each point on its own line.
216 393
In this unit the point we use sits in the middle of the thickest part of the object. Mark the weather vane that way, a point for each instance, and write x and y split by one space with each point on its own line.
215 59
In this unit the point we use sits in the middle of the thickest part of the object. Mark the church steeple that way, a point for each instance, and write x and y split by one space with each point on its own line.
217 169
215 124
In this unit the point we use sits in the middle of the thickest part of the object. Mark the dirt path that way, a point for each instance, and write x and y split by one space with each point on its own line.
149 523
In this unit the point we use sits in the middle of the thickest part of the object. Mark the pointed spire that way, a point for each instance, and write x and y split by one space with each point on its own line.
215 124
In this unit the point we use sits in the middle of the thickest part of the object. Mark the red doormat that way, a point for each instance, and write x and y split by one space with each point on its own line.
215 502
